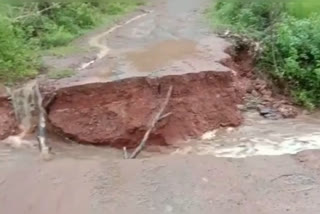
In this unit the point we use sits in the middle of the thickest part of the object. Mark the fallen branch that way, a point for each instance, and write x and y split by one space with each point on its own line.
157 118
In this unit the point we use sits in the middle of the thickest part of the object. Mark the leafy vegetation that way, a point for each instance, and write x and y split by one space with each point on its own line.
59 74
26 29
290 35
61 51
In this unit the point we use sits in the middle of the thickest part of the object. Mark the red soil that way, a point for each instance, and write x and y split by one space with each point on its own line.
118 113
8 123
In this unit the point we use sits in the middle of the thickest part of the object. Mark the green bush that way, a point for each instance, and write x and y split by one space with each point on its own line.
291 43
56 37
303 8
76 16
297 49
61 24
246 16
26 29
17 57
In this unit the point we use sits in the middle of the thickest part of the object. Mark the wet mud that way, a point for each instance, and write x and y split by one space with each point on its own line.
161 53
8 122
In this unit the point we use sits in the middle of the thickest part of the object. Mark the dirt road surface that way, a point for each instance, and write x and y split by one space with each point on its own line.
186 184
99 181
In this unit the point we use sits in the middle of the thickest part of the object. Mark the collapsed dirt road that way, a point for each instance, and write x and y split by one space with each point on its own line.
176 40
113 96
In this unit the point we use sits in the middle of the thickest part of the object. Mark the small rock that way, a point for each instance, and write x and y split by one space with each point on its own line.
230 129
249 89
264 110
288 111
254 93
209 135
276 105
242 107
267 98
269 113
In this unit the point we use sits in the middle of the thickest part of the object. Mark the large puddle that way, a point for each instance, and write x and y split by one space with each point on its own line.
161 54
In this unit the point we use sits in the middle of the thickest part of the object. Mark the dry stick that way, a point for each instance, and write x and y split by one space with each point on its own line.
165 116
157 117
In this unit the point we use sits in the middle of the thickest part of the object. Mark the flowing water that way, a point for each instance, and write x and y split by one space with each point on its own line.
24 101
260 137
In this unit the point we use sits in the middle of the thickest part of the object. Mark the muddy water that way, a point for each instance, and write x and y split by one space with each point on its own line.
24 101
260 137
161 54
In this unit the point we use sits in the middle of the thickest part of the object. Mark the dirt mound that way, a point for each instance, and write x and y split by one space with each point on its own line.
117 113
8 123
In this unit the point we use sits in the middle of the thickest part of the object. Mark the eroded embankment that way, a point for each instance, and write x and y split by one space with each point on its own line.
117 113
8 123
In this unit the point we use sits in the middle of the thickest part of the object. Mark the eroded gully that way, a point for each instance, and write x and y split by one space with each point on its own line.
87 179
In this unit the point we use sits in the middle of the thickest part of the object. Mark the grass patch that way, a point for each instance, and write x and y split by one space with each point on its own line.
62 51
60 74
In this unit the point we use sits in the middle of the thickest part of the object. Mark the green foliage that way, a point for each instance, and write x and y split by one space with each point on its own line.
17 58
28 28
303 8
59 74
246 16
62 51
297 50
291 43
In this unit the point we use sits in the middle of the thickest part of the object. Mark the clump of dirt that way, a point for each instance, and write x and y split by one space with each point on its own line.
8 123
118 113
259 90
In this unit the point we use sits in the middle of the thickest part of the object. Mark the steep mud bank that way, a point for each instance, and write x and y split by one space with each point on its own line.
8 123
117 113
